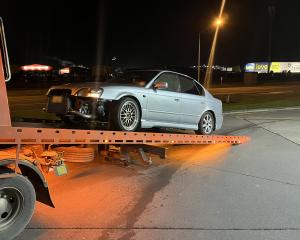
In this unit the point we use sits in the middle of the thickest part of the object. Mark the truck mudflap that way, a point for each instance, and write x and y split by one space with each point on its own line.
35 176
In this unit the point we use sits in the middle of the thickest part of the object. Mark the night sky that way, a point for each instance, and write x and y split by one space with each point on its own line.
148 33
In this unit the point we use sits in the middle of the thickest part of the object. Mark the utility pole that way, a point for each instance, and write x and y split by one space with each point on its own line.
271 10
199 60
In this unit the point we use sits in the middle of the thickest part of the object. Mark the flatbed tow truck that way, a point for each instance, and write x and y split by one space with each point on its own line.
24 160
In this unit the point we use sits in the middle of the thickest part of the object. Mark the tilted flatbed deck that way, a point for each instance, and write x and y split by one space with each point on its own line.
29 135
22 181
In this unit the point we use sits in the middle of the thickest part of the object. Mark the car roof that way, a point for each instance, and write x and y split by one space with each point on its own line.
159 71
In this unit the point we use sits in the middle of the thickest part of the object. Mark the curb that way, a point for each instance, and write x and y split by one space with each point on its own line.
261 110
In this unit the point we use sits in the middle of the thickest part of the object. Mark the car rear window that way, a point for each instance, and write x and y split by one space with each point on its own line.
188 86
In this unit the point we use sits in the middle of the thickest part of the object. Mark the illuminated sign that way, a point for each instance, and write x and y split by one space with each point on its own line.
36 67
294 67
64 71
250 67
275 67
261 67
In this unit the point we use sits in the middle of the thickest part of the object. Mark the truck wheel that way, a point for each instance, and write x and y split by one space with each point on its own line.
17 202
206 124
126 115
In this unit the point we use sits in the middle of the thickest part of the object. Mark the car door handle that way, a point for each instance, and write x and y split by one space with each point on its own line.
176 99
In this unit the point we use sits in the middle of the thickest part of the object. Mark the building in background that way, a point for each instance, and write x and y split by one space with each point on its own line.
41 75
276 67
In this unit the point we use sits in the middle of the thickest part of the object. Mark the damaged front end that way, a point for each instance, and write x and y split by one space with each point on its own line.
84 104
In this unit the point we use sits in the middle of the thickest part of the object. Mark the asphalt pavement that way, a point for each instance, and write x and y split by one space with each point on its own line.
249 191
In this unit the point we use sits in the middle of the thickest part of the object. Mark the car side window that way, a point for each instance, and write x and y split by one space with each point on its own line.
172 81
188 86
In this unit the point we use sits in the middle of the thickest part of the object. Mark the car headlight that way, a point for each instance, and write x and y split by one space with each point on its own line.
95 93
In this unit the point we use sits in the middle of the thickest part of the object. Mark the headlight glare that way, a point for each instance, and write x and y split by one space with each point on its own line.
95 93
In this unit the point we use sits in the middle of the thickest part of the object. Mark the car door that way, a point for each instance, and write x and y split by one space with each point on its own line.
193 102
164 104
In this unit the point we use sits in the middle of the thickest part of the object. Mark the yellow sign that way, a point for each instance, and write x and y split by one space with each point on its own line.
276 67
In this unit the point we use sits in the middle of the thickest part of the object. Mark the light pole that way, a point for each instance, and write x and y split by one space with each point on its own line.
199 60
271 10
217 23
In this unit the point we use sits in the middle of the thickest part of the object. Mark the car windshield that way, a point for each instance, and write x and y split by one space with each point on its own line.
137 78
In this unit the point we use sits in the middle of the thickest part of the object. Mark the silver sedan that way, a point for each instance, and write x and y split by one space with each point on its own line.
139 99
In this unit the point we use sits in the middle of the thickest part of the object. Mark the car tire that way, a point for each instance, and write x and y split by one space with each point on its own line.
206 124
18 196
125 116
76 154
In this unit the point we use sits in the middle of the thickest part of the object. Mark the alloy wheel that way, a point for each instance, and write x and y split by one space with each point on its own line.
207 124
129 115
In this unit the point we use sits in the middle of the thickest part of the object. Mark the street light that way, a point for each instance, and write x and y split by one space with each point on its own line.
219 22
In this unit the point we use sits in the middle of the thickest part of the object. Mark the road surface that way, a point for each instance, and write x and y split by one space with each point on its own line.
250 191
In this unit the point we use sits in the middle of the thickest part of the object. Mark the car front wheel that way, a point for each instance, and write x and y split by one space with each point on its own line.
126 115
206 124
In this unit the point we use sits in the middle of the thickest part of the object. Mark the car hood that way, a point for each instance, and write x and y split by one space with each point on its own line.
75 87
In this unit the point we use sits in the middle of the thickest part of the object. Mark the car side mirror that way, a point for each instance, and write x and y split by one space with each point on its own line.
160 85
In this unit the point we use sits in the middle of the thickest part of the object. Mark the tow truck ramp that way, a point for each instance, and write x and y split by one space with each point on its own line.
23 135
114 141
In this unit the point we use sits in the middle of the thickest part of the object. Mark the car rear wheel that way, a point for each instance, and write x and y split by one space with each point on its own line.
206 124
126 115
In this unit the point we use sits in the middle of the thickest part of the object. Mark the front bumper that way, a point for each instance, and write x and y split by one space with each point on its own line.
65 105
